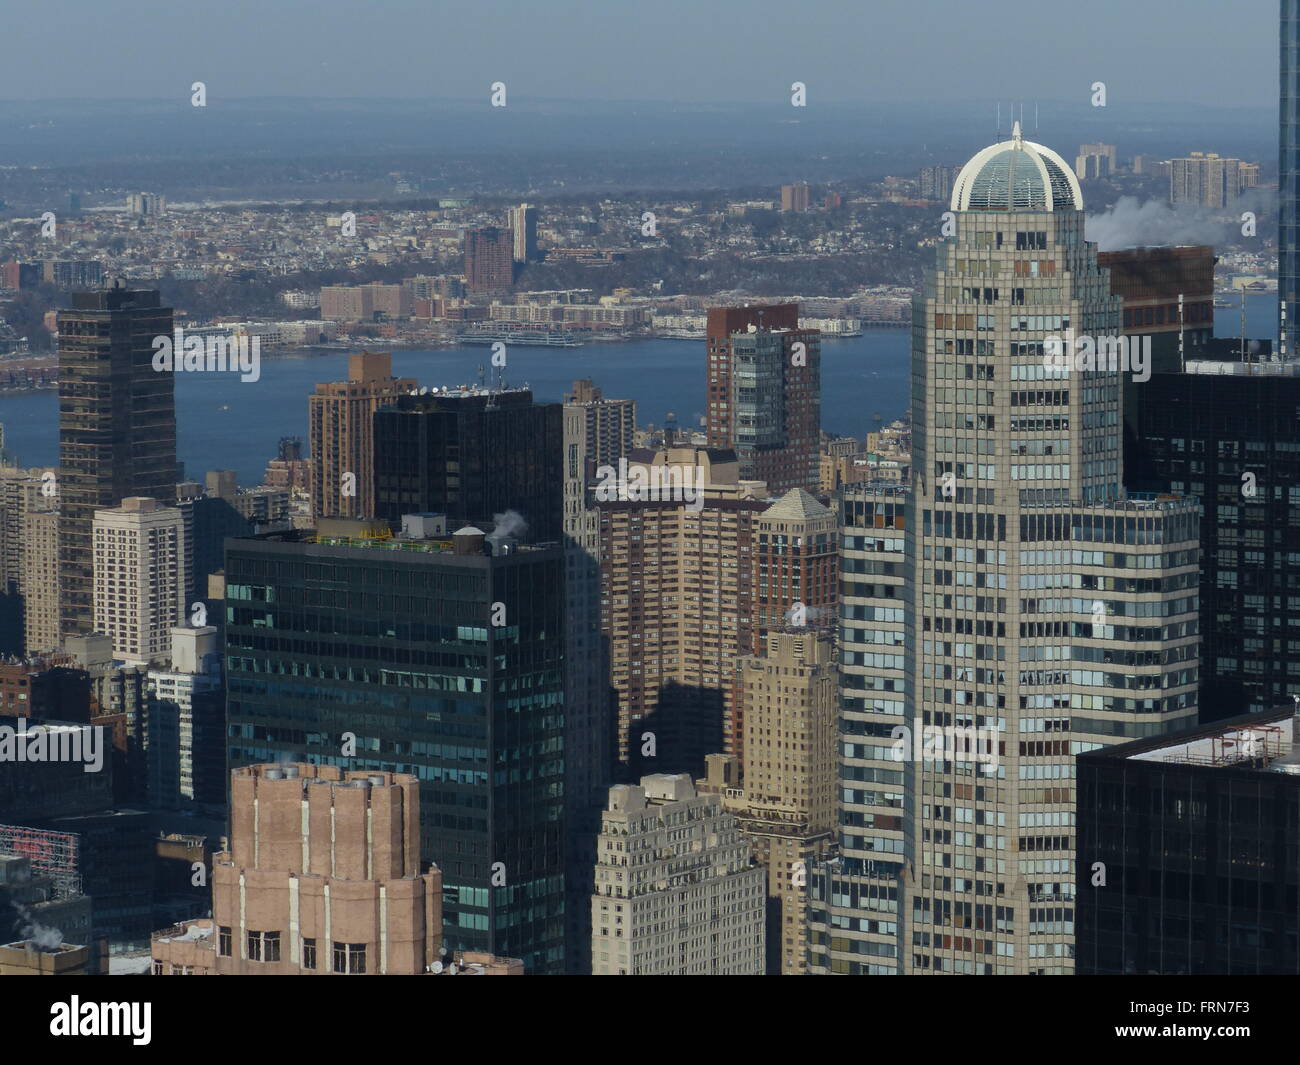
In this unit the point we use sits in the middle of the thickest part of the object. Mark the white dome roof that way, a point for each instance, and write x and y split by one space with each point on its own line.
1016 175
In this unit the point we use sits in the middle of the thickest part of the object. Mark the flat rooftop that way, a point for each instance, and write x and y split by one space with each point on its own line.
1264 741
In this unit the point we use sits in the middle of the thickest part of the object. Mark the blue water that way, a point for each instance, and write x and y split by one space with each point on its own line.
860 377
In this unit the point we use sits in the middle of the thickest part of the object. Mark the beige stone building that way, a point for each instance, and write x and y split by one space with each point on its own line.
341 433
141 577
786 804
39 580
677 890
610 424
322 877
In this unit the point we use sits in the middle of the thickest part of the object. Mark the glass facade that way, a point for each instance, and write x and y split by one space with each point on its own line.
472 456
1233 441
449 667
1188 867
1288 248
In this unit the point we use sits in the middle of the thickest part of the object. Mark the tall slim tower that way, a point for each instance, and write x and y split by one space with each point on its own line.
117 425
522 222
1288 237
1045 612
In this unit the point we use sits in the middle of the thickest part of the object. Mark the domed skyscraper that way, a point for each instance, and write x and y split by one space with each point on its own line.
1016 175
1016 610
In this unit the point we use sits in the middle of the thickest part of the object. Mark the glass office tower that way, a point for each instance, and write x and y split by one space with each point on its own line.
429 657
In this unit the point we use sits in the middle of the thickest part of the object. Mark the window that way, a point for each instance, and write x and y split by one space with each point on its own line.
349 957
223 941
263 946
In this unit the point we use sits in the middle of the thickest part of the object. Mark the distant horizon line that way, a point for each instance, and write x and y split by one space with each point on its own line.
181 99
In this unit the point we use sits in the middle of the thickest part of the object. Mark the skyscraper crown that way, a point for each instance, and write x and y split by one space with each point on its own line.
1016 175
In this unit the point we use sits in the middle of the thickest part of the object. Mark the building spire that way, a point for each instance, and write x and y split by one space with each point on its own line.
1015 132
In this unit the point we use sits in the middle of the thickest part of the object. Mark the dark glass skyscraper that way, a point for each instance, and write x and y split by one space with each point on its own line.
117 425
1288 237
471 455
1189 860
1229 433
430 657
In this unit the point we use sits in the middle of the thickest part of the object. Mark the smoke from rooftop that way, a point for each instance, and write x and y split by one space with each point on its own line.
1131 224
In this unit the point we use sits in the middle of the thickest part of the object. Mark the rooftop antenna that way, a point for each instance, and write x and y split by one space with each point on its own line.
1035 116
997 133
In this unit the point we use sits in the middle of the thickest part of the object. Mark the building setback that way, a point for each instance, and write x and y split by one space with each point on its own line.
677 890
786 805
1048 612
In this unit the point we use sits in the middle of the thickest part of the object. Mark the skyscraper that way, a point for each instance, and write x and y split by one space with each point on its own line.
790 697
355 649
341 416
489 261
1208 180
795 197
1288 190
677 890
187 723
40 580
1188 857
522 222
472 454
764 393
796 566
1049 612
609 424
936 182
117 425
676 595
1226 431
589 705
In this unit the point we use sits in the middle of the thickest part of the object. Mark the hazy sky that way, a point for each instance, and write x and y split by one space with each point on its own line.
1221 52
